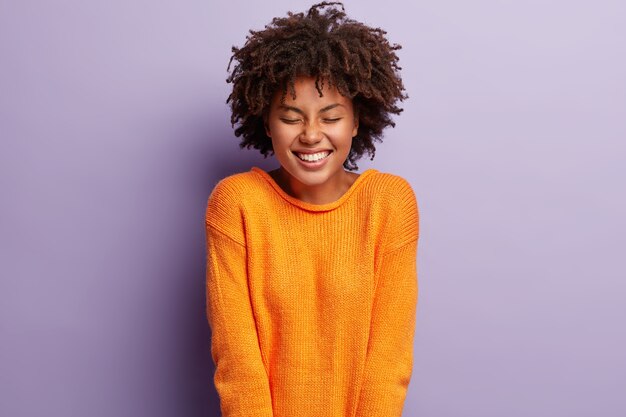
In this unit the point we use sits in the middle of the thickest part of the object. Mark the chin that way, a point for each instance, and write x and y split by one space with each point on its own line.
313 178
309 178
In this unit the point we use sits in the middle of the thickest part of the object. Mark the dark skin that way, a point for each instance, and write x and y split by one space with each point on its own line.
276 174
309 121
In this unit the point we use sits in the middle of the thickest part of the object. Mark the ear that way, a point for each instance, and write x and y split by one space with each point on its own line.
266 123
356 126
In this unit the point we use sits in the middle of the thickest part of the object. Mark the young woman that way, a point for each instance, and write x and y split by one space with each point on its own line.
311 268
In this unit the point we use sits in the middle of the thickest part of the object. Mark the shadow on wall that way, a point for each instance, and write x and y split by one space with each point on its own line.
229 159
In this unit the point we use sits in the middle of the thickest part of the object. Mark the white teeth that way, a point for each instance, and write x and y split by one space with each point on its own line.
312 157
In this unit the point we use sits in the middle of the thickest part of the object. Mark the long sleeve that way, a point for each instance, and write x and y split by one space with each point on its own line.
240 376
389 358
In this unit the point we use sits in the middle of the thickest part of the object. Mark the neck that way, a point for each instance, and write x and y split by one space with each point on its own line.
325 193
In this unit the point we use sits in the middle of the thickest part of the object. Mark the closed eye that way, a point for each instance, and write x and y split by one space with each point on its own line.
290 121
332 120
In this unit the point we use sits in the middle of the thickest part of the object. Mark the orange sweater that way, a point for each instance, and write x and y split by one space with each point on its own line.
312 307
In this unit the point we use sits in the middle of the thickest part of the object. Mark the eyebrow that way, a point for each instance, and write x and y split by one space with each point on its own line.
297 110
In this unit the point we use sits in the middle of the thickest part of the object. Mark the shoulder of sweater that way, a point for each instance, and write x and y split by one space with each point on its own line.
235 188
226 199
394 187
391 179
401 208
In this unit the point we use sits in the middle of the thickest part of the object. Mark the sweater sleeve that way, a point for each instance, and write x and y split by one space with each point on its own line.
389 358
240 378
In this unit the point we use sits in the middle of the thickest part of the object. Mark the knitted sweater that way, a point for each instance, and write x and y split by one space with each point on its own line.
311 307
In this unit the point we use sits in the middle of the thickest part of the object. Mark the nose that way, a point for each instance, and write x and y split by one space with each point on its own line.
311 133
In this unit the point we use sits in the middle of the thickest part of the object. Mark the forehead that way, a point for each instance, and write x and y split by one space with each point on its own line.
307 94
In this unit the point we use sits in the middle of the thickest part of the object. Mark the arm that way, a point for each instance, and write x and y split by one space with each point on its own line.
240 377
389 359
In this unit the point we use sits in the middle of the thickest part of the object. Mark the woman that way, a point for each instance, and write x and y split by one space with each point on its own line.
311 268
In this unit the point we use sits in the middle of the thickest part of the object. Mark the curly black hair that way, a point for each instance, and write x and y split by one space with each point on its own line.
355 58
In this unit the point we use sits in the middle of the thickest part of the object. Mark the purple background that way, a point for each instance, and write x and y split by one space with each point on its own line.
114 129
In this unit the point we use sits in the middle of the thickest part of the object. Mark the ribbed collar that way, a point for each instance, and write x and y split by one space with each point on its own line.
315 207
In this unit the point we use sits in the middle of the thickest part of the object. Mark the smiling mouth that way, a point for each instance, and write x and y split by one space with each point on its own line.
312 157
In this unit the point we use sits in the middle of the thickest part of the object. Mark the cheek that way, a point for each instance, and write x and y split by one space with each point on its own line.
282 134
281 137
343 136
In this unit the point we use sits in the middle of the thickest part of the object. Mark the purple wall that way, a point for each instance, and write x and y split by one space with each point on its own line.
114 130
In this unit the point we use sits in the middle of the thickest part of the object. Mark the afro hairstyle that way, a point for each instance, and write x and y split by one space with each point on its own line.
356 59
